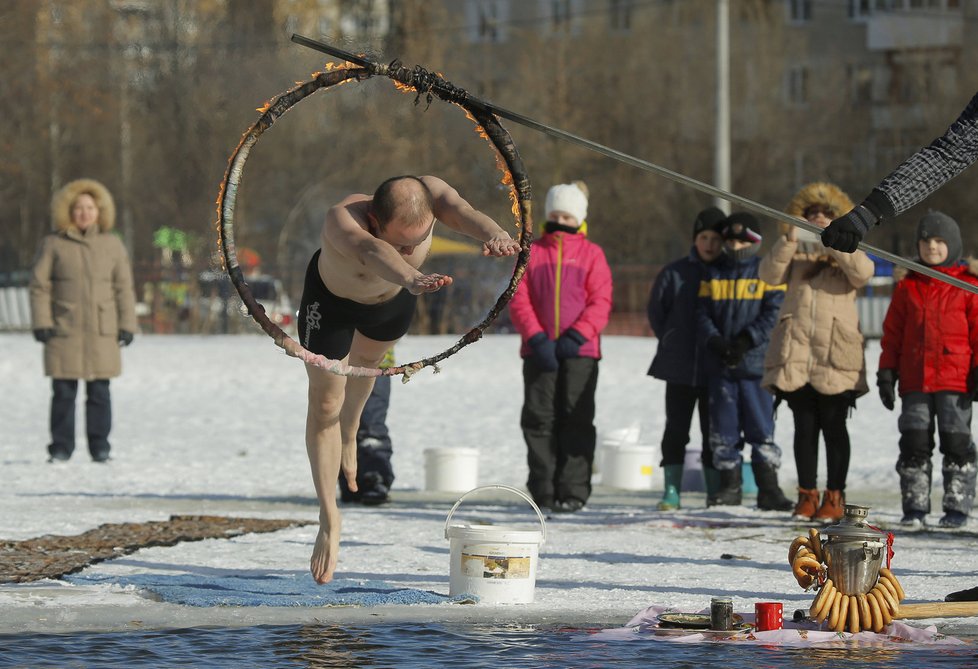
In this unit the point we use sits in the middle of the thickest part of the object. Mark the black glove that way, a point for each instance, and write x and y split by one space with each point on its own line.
973 384
569 344
886 381
44 335
738 349
845 232
544 352
125 337
718 346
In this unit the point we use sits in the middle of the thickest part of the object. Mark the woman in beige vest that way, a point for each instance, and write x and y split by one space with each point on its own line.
815 359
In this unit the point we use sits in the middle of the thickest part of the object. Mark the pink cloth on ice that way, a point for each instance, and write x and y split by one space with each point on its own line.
645 626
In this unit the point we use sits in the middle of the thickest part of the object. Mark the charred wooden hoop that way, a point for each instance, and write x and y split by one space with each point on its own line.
425 84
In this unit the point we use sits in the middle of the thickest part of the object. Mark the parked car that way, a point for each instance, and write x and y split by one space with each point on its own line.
218 298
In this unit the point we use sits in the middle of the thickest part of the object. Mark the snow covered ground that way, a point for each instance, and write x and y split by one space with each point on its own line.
214 425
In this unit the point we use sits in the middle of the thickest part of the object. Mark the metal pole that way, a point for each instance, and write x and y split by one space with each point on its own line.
721 157
621 157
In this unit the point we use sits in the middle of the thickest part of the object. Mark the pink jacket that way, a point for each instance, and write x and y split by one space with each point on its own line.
567 285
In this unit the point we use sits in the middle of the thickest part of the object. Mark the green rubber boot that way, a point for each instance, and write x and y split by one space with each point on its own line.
711 480
674 479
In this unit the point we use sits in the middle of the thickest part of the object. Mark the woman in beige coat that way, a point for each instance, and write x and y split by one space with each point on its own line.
815 359
82 310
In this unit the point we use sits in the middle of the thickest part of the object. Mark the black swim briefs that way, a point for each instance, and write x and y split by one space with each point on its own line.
327 322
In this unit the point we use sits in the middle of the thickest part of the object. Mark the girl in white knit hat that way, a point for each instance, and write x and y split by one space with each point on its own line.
560 309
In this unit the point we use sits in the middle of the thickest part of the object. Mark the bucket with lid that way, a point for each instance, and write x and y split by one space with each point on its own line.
451 469
494 562
628 466
854 551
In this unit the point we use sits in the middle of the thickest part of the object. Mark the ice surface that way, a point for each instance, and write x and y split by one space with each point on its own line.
214 425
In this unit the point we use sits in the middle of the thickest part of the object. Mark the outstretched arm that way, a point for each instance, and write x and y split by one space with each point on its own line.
454 211
916 178
345 230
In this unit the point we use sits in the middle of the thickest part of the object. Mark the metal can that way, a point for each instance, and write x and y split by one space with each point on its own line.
721 613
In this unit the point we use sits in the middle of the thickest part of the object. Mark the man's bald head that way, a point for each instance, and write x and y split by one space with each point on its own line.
406 198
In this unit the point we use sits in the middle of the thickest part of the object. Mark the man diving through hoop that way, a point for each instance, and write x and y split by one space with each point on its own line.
358 300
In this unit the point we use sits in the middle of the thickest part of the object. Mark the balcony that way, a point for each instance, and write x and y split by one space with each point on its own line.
909 30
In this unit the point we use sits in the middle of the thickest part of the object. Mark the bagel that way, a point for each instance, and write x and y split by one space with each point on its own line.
891 603
888 586
840 624
825 608
887 582
865 615
853 614
819 600
815 541
834 612
796 543
877 615
806 581
806 565
896 583
884 606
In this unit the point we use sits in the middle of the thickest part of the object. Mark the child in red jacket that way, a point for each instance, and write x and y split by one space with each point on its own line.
930 344
560 309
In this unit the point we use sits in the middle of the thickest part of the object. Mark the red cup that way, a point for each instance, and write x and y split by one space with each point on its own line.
768 616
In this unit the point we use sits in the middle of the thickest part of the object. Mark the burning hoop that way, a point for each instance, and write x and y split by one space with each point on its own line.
425 84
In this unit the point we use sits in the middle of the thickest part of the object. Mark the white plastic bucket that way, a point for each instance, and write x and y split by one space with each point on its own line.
629 467
451 469
496 563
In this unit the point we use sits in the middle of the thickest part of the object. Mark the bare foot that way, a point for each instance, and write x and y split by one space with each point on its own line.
322 564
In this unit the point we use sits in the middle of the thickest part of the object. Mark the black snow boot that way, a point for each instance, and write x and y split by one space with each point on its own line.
729 493
969 595
769 494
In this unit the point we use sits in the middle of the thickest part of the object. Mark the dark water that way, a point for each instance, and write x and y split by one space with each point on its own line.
422 646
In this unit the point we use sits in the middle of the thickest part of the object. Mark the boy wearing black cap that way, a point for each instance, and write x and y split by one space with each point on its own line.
679 356
737 313
930 345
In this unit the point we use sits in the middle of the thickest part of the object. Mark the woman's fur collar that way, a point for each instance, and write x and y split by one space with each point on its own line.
61 204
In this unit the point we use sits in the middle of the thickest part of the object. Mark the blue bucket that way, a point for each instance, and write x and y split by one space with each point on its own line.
749 485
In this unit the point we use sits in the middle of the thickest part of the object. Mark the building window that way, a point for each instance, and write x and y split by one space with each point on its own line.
487 20
859 9
799 11
796 86
620 15
560 16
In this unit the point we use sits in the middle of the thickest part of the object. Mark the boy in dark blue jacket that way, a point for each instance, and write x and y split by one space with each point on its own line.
679 356
737 313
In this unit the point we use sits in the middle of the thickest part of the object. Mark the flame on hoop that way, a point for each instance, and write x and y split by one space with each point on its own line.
330 66
507 179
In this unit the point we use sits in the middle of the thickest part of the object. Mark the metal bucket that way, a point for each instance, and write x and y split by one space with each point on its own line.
854 552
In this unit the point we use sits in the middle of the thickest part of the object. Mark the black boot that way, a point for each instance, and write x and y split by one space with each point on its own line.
729 493
769 494
969 595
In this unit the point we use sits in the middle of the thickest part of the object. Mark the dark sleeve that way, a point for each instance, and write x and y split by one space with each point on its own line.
705 326
934 165
660 301
760 329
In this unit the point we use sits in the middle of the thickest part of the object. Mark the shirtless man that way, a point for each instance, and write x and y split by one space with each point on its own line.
358 300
